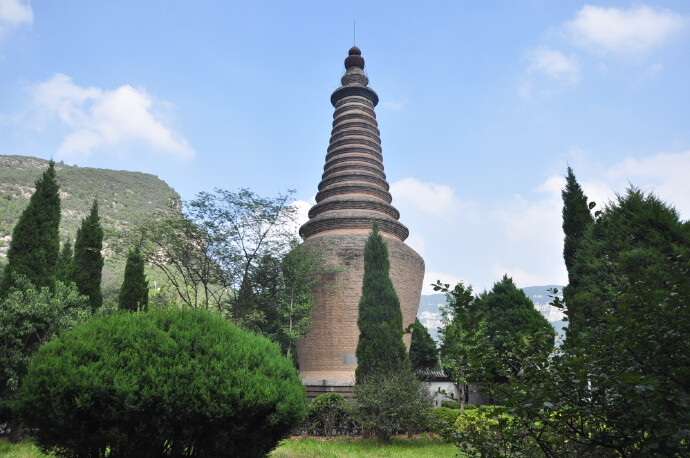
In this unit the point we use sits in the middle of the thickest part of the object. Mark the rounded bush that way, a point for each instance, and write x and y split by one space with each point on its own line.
329 413
161 383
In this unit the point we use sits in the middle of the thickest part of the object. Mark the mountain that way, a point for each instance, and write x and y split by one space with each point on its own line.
430 308
123 199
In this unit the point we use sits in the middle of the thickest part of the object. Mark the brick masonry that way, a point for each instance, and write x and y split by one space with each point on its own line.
353 192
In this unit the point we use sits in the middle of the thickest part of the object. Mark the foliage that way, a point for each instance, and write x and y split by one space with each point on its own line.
442 421
493 431
330 412
391 402
161 383
29 318
87 265
513 326
125 198
243 229
65 262
423 352
301 269
577 219
183 252
621 387
219 249
463 341
134 294
35 243
380 348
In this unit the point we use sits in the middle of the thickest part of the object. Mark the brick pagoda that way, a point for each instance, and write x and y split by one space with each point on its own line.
352 193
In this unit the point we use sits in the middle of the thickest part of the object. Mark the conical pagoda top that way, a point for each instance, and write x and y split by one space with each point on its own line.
353 191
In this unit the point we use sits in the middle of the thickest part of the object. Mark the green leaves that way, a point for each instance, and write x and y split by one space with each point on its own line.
380 348
148 384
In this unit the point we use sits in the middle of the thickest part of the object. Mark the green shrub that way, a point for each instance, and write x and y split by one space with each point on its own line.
442 421
161 383
493 431
456 405
328 413
392 403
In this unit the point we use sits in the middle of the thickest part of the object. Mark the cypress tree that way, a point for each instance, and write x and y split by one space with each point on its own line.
35 243
87 267
63 268
577 219
134 294
380 349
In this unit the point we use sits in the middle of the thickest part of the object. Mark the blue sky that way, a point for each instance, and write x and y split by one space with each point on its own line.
483 104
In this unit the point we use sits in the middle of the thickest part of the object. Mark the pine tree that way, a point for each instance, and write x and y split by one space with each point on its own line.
380 348
87 267
134 294
35 243
63 268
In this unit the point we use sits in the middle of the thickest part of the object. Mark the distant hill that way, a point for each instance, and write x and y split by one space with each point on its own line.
430 308
123 198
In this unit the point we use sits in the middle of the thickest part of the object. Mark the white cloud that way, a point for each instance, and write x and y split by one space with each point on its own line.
107 120
435 199
624 32
555 64
15 12
665 174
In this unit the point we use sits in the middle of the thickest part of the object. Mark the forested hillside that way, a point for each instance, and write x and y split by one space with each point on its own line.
123 198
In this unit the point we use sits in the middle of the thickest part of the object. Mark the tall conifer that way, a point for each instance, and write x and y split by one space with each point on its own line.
87 267
63 268
35 243
380 348
134 293
576 219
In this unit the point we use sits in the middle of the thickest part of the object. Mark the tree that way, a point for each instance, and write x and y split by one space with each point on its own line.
196 385
243 228
216 249
463 341
621 387
510 319
29 317
300 273
380 347
423 352
134 293
35 243
87 268
487 339
577 219
63 268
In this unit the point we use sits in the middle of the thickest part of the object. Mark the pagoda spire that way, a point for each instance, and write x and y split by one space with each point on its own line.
353 190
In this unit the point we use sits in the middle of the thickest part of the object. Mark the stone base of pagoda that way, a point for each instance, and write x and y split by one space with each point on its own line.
328 351
315 387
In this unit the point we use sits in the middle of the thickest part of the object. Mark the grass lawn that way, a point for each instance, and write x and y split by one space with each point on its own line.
24 450
354 447
306 447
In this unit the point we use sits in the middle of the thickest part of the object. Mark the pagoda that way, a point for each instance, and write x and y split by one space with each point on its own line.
353 192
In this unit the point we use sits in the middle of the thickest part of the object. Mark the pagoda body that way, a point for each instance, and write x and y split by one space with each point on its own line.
353 192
